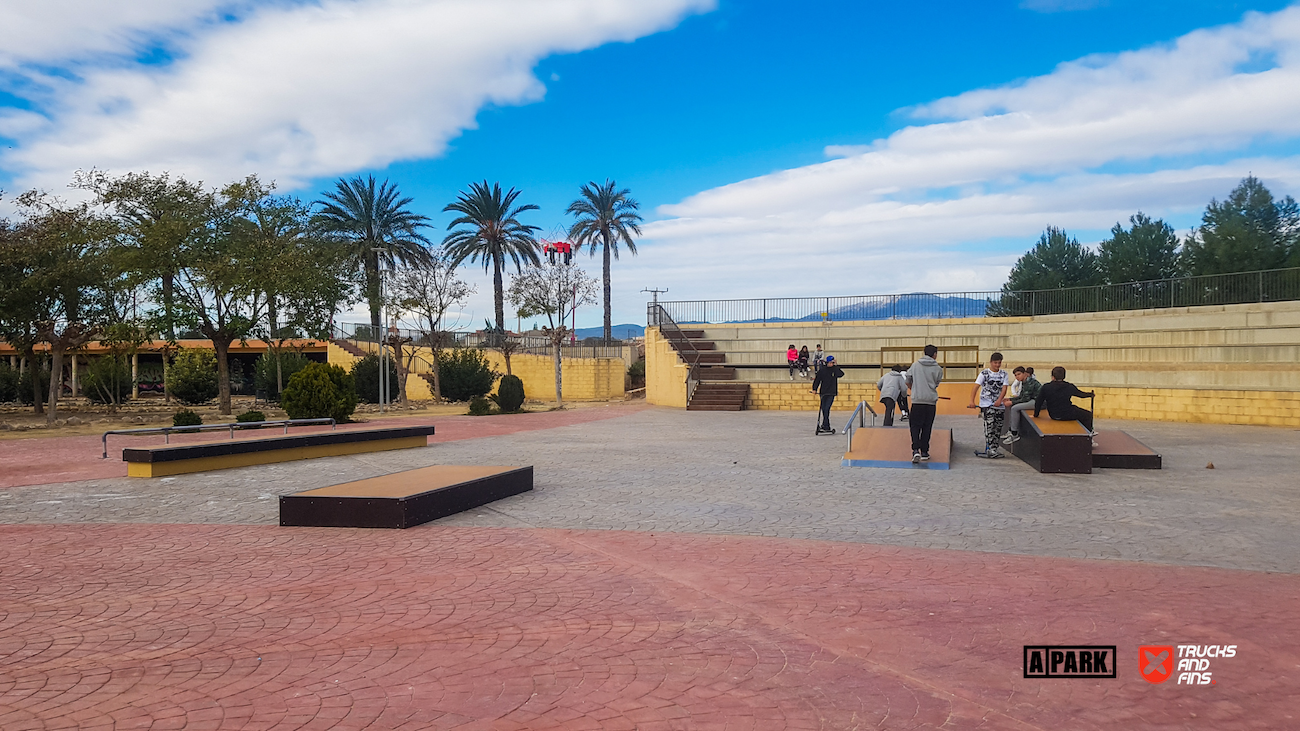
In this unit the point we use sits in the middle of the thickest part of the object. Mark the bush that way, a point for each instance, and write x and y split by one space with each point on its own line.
465 373
8 383
192 377
264 371
42 376
366 374
510 394
636 372
480 406
320 391
185 417
107 380
250 416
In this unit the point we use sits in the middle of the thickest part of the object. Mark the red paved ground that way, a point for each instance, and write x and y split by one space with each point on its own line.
44 460
250 627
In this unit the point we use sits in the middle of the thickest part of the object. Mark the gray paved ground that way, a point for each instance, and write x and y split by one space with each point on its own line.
763 473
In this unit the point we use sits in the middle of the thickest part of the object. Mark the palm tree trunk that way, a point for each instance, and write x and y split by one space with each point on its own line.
372 295
498 291
608 321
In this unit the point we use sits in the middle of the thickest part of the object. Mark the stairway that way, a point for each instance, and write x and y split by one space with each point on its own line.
351 349
715 396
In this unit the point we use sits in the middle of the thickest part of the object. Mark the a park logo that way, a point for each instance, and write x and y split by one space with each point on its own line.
1156 662
1070 661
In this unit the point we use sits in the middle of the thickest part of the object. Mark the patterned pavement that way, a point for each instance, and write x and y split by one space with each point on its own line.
659 577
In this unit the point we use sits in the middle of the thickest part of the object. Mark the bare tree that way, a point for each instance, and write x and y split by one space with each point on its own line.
430 290
553 290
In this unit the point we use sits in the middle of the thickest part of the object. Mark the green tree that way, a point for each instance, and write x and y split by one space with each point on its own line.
1248 231
369 217
1056 262
320 391
65 254
492 231
1146 251
429 290
605 216
192 378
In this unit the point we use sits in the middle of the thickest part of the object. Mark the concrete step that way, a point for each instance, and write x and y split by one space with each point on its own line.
715 407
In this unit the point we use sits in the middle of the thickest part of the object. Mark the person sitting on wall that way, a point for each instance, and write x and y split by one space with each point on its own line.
1055 396
792 359
1022 400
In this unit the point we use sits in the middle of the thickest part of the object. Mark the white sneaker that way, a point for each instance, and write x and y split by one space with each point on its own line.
1007 439
916 457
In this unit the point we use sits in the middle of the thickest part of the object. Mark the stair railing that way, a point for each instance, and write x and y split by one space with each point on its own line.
669 328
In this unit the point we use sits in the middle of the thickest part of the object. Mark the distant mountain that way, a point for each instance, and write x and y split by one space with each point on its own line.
618 331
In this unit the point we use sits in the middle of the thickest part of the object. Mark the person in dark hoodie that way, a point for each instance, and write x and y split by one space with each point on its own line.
1020 402
923 378
1055 396
828 384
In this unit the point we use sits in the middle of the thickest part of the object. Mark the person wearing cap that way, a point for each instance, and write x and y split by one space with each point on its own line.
828 384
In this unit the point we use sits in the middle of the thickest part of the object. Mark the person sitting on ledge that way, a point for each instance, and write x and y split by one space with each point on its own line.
1021 401
1056 397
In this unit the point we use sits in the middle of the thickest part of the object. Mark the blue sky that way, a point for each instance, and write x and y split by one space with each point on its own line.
778 148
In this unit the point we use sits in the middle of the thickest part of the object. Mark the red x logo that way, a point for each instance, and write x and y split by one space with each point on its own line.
1156 662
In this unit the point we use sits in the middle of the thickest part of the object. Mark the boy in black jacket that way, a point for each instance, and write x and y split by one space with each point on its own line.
1056 397
827 381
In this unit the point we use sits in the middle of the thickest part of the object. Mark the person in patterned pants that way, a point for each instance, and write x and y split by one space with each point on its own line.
991 390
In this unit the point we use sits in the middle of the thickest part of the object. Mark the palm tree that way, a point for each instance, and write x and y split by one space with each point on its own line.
369 218
493 232
605 217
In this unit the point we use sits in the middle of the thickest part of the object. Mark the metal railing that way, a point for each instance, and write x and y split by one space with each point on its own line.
1274 285
167 431
671 332
860 414
364 337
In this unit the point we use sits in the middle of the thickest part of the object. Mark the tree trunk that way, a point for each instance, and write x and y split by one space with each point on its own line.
56 380
38 397
559 386
608 320
372 294
167 389
169 299
498 293
223 374
401 370
506 354
437 380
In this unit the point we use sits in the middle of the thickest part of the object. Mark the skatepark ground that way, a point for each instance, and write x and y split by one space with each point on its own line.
669 570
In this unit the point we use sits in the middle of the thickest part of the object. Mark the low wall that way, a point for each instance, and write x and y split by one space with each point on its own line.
1230 364
585 379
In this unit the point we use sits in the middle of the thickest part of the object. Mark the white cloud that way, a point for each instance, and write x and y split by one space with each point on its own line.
293 91
927 207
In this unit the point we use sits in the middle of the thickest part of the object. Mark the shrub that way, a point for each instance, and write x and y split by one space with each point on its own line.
42 376
320 391
8 383
465 373
480 406
510 394
250 416
186 417
366 374
107 380
192 376
264 371
636 372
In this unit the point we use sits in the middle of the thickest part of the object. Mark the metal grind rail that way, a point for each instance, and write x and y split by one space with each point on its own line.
167 431
860 414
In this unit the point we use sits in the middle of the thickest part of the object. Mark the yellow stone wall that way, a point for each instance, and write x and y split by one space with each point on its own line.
1231 364
665 373
797 396
585 379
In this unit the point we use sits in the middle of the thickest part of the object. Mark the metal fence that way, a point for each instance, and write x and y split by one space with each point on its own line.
1275 285
363 334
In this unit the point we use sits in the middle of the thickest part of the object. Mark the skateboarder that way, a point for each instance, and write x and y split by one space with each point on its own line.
828 383
991 388
893 392
1055 396
923 378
